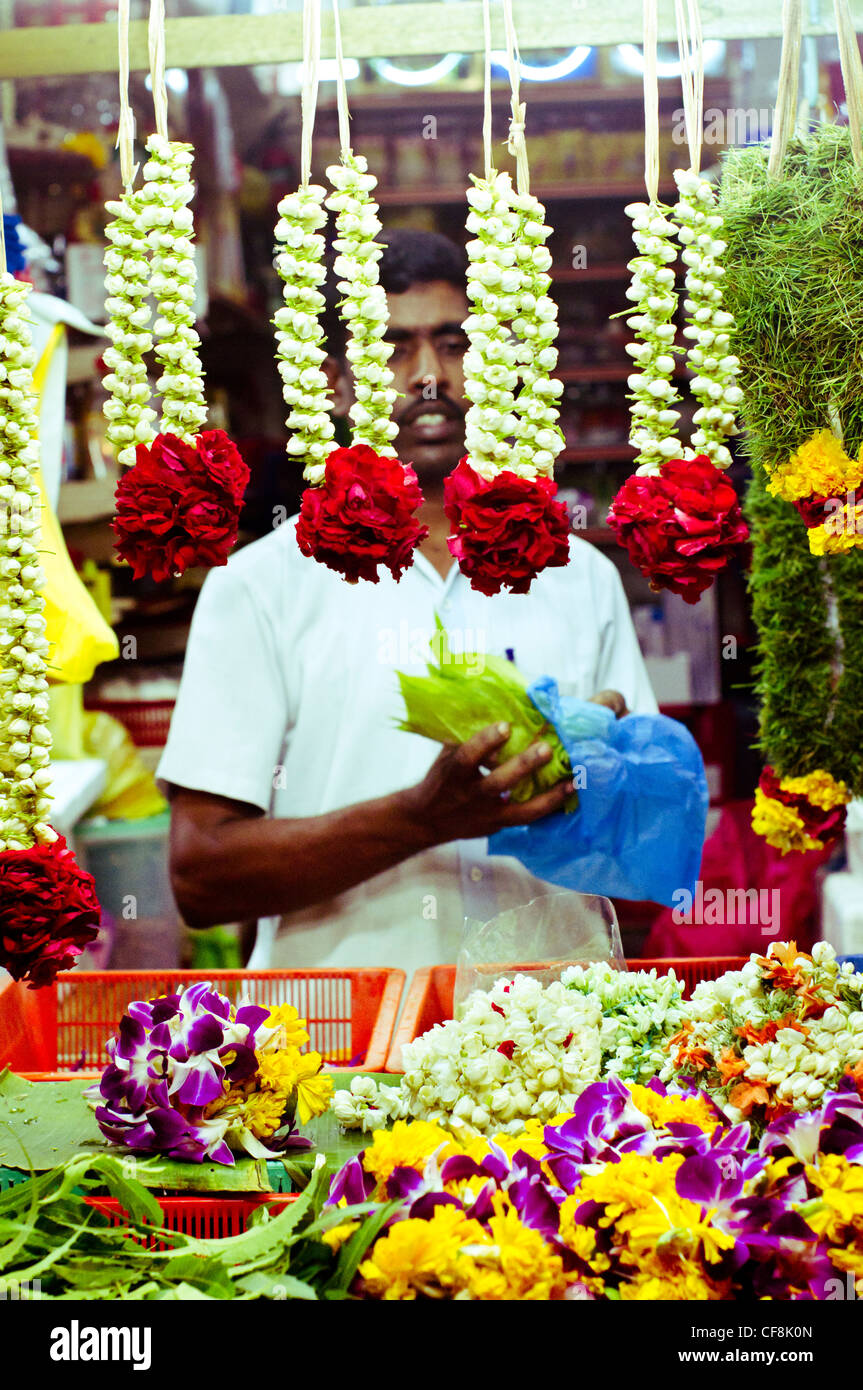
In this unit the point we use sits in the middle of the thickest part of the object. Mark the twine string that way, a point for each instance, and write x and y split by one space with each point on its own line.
341 86
785 115
486 90
309 95
516 144
156 46
651 103
126 126
690 46
852 76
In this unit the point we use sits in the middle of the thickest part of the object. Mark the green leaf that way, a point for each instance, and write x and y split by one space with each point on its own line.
278 1286
354 1249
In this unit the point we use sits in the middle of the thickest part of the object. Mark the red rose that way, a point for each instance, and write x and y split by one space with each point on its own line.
48 911
504 531
679 526
179 505
362 515
819 824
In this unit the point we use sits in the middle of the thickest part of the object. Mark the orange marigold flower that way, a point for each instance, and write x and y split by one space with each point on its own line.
746 1095
730 1065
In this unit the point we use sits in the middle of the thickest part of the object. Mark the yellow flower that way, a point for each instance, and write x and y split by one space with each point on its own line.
420 1256
690 1286
408 1144
820 468
530 1267
263 1111
286 1018
279 1070
671 1109
337 1235
841 532
818 787
780 825
840 1187
314 1090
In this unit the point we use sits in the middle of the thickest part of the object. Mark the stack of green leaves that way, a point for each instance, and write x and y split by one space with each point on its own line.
467 691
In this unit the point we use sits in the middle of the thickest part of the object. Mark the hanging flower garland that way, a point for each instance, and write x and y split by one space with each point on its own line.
358 512
179 504
678 516
500 500
48 906
799 347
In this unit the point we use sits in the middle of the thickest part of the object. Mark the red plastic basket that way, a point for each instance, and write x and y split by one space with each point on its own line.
206 1218
430 997
147 721
350 1013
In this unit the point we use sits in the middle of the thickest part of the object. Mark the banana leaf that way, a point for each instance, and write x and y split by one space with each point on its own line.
465 692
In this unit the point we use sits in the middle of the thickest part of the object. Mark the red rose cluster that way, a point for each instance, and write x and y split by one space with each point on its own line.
362 515
679 526
48 911
504 531
819 823
179 505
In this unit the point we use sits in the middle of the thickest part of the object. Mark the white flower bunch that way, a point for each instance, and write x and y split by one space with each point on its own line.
127 280
364 305
538 437
25 742
497 282
369 1105
299 335
640 1012
163 198
709 326
654 397
799 1060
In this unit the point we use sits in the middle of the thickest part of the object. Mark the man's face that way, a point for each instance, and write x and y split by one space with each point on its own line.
428 371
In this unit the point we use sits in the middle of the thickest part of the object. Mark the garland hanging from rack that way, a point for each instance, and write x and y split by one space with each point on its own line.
678 516
793 216
179 503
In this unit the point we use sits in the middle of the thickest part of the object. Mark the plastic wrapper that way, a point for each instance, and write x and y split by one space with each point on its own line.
540 939
130 788
638 831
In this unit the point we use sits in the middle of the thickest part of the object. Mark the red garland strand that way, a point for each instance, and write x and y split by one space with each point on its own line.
48 911
179 505
679 526
506 531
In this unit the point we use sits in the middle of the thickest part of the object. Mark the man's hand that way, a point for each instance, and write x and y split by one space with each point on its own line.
456 800
612 699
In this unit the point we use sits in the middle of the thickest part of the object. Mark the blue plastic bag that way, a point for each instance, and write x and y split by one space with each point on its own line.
638 832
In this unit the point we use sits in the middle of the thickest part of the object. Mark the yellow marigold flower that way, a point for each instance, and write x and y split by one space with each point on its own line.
314 1090
420 1257
818 787
263 1111
840 533
671 1109
279 1070
691 1286
286 1017
337 1235
530 1267
780 825
840 1187
820 467
408 1144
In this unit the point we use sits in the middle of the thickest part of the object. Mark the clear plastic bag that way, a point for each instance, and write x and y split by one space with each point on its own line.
540 939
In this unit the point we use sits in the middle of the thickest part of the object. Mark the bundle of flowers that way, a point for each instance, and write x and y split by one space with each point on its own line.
800 813
193 1077
48 905
179 504
500 501
524 1051
823 484
640 1193
774 1037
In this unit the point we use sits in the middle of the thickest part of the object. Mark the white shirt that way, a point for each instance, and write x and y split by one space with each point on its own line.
289 701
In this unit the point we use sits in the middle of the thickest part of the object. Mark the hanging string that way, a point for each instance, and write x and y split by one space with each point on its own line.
126 127
341 85
486 90
690 46
785 115
156 45
852 76
651 104
2 238
309 96
516 144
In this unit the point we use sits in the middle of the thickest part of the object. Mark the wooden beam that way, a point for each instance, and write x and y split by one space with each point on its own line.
384 31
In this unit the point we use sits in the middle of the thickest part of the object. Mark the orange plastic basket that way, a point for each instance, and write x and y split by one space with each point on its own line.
430 997
206 1218
350 1013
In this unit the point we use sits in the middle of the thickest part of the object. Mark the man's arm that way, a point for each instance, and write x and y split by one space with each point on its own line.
229 862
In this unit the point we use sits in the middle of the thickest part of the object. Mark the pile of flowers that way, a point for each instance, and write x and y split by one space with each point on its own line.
773 1038
48 906
800 813
524 1051
823 484
640 1193
193 1077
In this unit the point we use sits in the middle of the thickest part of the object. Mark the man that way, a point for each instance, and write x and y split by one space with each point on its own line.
295 797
